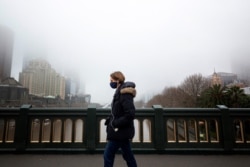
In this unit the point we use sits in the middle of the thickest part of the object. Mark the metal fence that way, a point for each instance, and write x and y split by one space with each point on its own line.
158 130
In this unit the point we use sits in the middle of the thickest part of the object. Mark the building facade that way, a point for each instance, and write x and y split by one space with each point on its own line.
42 80
223 78
246 90
6 51
12 94
216 79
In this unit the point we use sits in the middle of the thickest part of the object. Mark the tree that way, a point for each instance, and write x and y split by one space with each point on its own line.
172 97
213 96
157 99
245 102
194 85
236 97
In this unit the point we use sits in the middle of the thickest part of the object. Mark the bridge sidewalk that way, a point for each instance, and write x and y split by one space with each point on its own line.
143 160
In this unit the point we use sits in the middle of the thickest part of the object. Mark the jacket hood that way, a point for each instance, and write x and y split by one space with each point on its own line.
128 84
128 87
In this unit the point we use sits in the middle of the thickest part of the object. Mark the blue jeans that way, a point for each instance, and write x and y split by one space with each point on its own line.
127 154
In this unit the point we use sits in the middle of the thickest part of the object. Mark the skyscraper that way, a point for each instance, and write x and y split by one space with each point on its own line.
6 50
241 67
42 80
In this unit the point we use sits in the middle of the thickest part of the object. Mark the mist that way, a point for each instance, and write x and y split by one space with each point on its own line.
154 43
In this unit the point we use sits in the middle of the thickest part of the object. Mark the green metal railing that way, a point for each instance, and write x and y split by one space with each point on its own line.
158 130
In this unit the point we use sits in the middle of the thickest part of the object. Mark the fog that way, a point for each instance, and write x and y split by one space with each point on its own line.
155 43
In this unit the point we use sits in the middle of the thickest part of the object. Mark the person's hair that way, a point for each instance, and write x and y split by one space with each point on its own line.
118 75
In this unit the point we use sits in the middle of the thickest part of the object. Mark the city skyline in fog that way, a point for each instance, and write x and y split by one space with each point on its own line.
156 44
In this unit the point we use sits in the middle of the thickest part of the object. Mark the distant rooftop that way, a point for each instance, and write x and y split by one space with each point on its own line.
9 81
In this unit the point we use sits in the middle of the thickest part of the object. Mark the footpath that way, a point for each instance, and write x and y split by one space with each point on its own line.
143 160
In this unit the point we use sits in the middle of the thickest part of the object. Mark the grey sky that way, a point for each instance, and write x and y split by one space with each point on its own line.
155 43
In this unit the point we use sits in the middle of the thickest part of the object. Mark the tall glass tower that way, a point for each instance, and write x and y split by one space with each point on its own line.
6 51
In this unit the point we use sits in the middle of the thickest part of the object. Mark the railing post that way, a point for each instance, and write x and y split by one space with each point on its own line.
22 128
159 128
91 127
227 128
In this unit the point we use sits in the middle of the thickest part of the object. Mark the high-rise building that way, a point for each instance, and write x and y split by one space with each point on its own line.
42 80
6 50
72 84
241 67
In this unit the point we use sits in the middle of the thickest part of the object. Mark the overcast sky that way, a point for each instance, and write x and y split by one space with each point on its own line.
155 43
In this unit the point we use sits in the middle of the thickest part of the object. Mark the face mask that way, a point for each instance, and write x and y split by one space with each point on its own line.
113 85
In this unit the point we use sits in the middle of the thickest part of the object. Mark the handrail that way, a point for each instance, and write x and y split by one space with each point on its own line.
158 130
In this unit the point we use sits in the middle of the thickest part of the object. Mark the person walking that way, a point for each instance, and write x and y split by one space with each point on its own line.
120 124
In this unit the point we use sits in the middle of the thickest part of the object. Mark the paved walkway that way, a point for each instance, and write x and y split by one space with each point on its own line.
148 160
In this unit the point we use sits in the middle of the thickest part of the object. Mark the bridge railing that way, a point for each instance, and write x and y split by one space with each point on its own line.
158 130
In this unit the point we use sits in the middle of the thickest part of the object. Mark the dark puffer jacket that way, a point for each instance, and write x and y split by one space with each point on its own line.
120 124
